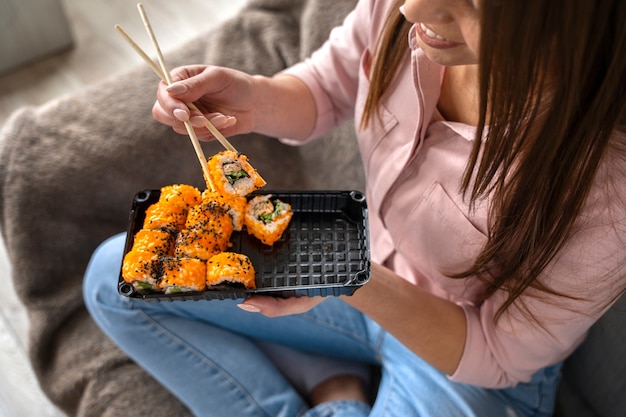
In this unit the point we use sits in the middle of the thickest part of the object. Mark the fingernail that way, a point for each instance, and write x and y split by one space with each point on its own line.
230 121
198 121
181 115
402 10
249 307
177 88
219 121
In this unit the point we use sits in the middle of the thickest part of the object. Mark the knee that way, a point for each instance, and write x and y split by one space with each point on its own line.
101 275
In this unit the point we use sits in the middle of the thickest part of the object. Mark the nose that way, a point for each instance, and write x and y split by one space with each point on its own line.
427 11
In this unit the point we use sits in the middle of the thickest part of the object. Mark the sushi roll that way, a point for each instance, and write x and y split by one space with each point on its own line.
141 270
182 275
210 216
155 241
230 268
235 206
180 194
267 218
232 174
200 243
165 216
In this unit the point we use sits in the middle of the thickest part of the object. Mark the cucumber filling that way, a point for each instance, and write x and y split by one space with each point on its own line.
233 173
279 207
144 285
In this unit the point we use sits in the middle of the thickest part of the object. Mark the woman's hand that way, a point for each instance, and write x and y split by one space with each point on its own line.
235 102
276 307
223 96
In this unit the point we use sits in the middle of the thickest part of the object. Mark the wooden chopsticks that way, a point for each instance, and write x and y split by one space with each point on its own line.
163 73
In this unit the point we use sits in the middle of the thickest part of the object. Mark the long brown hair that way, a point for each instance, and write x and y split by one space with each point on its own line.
553 90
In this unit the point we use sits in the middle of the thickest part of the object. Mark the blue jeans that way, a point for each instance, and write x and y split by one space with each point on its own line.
205 353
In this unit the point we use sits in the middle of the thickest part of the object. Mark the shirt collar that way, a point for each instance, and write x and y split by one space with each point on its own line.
413 37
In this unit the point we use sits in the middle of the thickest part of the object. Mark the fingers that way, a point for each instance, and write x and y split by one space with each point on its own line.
172 98
210 90
190 83
181 115
276 307
220 121
169 109
197 120
186 71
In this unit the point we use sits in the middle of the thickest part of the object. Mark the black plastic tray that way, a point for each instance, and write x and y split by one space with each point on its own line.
324 251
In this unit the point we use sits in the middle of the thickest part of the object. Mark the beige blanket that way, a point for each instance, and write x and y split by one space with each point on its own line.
69 170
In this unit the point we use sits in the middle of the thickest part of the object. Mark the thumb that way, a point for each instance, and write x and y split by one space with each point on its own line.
177 88
188 83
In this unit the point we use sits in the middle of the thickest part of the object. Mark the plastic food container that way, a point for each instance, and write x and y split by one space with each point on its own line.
324 252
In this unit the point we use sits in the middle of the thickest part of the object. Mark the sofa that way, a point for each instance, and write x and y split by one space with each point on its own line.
69 170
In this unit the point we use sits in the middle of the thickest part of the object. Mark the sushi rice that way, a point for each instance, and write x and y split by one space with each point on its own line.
232 174
267 218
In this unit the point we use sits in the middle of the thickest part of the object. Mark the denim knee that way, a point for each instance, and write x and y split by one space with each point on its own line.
101 275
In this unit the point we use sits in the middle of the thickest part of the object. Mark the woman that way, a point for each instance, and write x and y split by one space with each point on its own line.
491 257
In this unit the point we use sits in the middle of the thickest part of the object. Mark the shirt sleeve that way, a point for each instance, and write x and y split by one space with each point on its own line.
331 73
590 270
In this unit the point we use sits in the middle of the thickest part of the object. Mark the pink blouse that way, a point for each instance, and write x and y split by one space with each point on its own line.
421 226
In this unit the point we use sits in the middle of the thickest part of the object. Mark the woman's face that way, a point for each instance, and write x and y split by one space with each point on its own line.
447 30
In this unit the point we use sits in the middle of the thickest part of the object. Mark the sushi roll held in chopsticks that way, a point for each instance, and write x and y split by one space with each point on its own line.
232 174
230 268
267 218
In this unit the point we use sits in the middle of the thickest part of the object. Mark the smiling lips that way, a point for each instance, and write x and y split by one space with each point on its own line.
430 33
433 39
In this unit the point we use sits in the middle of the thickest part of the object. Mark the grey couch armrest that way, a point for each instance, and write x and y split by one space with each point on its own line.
594 376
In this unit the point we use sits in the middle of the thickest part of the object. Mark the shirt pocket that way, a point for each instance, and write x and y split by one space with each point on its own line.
438 238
